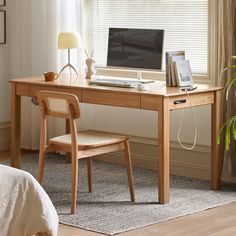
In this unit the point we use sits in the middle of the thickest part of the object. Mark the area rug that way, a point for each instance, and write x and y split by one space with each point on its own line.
108 209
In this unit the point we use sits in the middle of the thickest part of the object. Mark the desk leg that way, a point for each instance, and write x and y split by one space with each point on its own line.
163 152
15 127
216 159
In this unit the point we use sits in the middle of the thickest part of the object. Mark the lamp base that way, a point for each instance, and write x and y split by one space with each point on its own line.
70 66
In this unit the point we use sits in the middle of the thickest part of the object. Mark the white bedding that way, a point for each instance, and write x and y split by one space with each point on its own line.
25 208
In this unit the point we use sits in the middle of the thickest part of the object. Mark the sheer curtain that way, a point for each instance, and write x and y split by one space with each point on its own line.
34 27
224 23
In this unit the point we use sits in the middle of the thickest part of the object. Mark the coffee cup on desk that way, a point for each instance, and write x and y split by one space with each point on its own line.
50 76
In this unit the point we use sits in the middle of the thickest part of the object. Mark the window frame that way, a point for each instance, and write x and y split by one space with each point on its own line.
207 78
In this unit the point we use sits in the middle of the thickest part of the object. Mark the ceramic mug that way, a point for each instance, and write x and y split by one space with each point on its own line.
50 76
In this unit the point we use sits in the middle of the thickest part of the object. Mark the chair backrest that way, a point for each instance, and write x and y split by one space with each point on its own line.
57 104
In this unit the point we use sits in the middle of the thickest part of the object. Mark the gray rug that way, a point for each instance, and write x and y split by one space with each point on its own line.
108 209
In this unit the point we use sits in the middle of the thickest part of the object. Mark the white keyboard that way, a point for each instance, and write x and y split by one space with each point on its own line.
116 83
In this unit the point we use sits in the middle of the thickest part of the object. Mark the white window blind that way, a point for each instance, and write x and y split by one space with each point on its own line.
185 24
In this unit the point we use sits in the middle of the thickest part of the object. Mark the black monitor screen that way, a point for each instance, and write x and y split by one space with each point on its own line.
136 48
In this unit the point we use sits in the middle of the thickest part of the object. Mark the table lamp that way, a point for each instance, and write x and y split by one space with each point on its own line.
68 40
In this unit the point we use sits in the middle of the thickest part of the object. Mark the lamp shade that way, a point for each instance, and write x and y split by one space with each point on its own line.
67 40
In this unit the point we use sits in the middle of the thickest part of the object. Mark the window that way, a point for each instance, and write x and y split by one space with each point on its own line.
185 23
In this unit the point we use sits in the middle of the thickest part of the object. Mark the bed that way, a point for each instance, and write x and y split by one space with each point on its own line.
25 208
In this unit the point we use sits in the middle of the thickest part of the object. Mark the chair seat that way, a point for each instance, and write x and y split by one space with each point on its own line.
89 138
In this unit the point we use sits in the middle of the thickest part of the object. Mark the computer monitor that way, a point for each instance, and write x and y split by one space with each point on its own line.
135 48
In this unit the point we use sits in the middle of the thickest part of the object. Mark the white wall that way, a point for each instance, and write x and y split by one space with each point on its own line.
4 77
132 122
144 123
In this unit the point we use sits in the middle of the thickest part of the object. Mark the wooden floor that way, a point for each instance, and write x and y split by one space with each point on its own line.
220 221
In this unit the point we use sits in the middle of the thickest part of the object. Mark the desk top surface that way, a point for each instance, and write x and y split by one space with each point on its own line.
157 88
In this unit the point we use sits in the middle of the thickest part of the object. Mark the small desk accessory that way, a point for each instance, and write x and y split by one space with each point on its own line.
171 57
183 73
50 76
90 62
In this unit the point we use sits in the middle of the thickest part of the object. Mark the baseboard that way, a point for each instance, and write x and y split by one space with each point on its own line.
4 136
194 163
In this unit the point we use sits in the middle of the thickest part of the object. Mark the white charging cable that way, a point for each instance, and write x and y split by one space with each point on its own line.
180 126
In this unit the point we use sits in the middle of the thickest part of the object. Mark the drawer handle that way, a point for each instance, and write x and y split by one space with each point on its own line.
180 101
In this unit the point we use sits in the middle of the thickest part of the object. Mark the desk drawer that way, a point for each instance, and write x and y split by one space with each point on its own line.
151 103
34 90
22 89
111 98
196 100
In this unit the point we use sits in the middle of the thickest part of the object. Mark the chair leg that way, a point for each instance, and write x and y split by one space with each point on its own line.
42 148
68 154
129 169
89 172
74 176
41 165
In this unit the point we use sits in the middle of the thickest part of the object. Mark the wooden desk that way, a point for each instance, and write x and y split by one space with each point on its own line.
160 99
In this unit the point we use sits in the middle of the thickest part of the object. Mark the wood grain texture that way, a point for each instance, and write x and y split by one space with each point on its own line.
216 159
80 145
15 127
163 152
159 98
157 88
111 98
196 100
